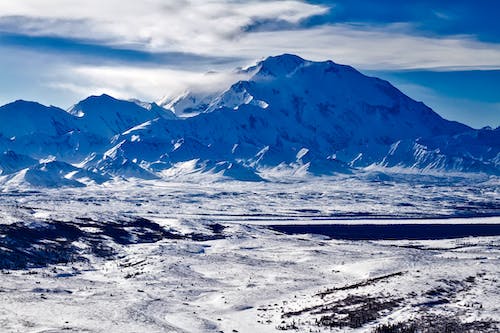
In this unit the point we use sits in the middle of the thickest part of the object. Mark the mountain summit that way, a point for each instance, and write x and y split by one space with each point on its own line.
290 117
106 116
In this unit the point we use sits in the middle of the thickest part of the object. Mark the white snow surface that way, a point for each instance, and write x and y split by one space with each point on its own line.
252 279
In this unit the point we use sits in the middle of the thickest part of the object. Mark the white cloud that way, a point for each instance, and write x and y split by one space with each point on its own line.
143 83
216 28
153 24
361 48
369 48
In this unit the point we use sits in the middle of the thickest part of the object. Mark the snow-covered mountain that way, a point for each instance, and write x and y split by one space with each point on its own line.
22 119
189 103
291 117
106 116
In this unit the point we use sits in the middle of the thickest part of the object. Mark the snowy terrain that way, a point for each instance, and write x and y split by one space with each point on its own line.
290 118
306 197
150 256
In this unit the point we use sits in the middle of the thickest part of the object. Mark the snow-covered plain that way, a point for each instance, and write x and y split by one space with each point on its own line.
146 256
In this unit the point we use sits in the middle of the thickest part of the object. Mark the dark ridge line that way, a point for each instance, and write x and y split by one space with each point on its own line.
364 283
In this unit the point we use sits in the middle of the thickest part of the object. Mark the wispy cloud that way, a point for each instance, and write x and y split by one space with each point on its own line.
389 47
89 52
151 24
157 32
143 83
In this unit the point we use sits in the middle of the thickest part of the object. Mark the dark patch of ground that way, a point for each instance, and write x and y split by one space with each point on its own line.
364 283
38 244
359 308
353 311
432 323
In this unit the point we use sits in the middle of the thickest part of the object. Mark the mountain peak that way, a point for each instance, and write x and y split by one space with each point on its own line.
106 116
99 104
285 58
21 104
103 98
27 118
22 108
281 65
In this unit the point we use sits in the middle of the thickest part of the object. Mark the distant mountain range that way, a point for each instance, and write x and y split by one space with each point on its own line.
291 117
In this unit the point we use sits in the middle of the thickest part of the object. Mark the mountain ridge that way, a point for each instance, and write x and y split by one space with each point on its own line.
313 118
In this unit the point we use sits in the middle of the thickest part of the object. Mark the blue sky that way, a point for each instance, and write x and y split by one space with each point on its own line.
445 53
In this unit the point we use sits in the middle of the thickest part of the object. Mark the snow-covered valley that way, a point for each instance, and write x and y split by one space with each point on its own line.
150 256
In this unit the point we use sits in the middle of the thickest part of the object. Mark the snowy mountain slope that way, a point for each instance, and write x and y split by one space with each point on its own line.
23 118
32 129
52 174
10 162
155 108
334 105
474 150
292 116
331 110
124 168
86 128
106 116
189 103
